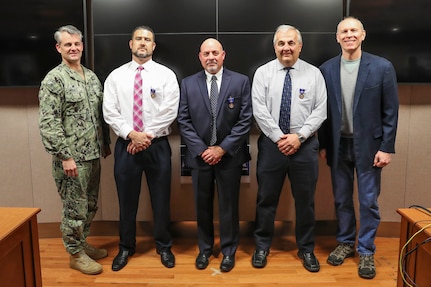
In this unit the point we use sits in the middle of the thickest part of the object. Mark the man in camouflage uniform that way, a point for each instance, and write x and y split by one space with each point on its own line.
73 131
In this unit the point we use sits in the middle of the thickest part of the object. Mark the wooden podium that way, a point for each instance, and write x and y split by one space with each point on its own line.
19 247
417 264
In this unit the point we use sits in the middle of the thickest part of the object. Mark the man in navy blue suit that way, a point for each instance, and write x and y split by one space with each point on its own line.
214 119
359 134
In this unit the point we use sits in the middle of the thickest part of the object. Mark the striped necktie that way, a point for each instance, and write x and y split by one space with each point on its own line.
138 124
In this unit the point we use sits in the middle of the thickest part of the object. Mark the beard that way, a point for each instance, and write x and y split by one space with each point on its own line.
211 68
142 55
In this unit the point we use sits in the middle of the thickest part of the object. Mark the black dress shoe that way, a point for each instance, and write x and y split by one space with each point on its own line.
259 258
227 263
202 260
167 257
121 259
309 261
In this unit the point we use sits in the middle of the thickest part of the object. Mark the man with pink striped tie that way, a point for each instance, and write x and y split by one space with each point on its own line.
140 103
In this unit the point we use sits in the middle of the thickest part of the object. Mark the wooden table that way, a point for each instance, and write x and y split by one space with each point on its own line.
417 264
19 247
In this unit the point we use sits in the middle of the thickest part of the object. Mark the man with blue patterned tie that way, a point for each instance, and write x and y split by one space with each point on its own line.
289 105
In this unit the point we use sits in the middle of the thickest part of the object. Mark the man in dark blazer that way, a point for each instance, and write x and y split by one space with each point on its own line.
359 134
215 155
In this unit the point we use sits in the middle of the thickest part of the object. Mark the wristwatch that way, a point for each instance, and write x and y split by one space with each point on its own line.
301 137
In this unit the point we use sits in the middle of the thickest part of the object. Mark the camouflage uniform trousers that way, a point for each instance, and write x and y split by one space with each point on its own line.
79 196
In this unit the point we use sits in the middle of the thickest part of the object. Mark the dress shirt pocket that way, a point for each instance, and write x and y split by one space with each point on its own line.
154 95
303 99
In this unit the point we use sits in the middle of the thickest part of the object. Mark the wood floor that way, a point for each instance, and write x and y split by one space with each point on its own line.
283 269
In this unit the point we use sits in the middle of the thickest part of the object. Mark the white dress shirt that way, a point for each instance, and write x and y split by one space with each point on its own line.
308 105
160 98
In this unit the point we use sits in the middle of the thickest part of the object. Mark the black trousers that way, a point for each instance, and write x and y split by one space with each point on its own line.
302 170
128 169
228 180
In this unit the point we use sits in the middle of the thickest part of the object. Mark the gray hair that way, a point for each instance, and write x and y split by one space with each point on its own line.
285 28
72 30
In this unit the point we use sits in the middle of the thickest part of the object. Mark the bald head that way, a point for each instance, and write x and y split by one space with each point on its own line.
211 42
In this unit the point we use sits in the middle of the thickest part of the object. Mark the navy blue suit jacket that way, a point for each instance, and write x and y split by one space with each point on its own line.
375 110
234 117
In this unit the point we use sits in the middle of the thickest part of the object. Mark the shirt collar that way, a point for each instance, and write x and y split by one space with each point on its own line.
147 65
295 66
218 75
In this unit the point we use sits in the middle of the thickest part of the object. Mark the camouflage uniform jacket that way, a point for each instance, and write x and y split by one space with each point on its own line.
70 114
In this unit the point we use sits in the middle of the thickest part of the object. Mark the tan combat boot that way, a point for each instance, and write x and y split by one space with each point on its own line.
94 252
81 262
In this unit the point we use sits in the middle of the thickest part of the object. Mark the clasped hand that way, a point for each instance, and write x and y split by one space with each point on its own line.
288 144
139 141
213 155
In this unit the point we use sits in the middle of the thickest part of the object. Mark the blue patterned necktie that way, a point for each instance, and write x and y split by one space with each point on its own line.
284 121
213 99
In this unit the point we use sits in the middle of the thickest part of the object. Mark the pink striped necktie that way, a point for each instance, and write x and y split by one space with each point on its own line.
138 124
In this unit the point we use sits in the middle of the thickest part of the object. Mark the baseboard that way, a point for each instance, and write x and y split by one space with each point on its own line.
188 228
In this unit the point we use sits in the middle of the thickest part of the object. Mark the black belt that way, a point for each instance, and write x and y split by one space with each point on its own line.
155 140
